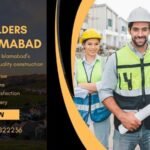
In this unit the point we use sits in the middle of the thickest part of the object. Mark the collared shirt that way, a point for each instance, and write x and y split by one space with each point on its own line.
89 66
140 55
109 78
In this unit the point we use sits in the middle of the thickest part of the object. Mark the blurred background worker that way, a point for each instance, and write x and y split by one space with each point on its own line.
126 84
88 73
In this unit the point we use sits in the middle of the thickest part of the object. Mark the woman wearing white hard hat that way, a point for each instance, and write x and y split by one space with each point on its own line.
127 90
88 75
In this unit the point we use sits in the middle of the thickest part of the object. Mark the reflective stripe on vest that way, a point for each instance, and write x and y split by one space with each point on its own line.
85 107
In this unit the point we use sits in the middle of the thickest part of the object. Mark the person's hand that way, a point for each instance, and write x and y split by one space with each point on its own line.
90 92
129 120
91 87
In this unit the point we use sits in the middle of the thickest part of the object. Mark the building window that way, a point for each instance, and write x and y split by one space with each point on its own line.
123 28
110 22
87 17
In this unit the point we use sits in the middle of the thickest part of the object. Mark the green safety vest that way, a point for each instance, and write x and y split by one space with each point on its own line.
95 75
133 86
91 105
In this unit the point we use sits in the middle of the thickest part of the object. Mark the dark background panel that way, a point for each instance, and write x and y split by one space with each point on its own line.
66 17
60 126
29 82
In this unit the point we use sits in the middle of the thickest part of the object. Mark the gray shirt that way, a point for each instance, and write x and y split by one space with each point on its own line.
109 78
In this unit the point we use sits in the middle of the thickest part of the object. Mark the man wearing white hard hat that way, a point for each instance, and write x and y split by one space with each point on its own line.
126 84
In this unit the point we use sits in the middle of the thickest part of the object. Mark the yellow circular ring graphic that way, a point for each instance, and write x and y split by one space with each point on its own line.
86 136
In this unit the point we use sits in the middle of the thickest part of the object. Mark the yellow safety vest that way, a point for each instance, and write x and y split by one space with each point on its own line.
91 105
96 73
133 86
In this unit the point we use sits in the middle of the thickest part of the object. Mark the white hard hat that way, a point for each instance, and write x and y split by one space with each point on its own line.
139 15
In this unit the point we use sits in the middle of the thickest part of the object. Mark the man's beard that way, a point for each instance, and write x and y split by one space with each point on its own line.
139 45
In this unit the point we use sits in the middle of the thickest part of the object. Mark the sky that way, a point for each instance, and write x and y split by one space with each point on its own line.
123 8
